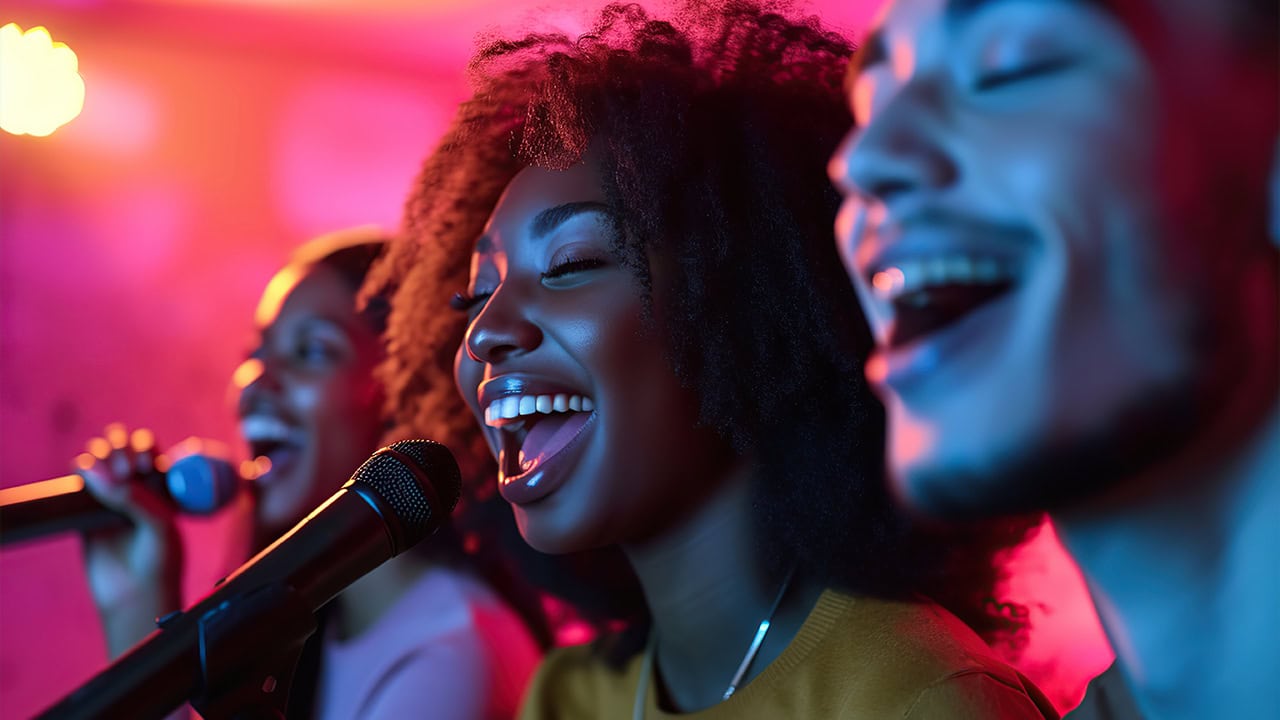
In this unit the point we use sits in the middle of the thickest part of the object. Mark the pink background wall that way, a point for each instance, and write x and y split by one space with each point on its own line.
135 240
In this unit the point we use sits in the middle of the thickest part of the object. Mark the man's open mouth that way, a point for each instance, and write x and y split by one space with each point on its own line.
931 293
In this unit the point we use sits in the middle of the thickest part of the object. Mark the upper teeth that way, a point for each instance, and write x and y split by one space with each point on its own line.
264 428
516 405
910 275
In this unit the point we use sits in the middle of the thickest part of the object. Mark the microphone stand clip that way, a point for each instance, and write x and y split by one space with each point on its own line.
240 685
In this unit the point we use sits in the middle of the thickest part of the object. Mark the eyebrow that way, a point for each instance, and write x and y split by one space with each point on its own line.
545 222
548 220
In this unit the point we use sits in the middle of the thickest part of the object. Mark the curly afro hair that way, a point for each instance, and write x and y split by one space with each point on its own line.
712 133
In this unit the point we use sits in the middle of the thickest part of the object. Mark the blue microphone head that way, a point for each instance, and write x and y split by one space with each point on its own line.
201 484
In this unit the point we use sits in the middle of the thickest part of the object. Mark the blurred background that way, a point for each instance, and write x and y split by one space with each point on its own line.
215 136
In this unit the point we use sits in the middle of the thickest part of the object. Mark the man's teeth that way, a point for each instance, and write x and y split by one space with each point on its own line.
908 276
516 405
263 428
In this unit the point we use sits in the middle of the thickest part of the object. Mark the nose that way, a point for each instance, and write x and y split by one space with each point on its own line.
901 150
501 331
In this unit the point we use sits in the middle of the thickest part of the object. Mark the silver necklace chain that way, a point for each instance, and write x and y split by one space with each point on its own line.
650 656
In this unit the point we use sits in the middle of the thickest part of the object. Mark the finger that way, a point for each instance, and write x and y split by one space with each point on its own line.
117 435
121 456
98 447
143 442
101 482
123 492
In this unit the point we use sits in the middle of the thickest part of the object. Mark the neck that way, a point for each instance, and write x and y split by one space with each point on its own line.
1185 578
707 595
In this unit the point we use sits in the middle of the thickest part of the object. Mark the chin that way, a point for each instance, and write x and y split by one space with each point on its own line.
950 483
279 508
548 534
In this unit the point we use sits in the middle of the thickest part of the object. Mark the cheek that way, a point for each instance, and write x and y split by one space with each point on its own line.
654 419
348 405
467 376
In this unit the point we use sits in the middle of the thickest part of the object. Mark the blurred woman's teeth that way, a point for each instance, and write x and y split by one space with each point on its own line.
264 428
518 405
910 276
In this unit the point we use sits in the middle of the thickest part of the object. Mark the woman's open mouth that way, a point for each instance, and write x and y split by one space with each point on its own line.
534 430
275 441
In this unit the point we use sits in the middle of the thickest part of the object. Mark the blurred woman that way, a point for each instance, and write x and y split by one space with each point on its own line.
426 629
657 345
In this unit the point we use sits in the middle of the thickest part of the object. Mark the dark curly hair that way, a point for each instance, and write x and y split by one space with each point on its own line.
713 132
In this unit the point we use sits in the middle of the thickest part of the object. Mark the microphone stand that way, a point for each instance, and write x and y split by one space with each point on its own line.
247 650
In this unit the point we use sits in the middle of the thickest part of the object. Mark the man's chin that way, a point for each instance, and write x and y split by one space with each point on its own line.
938 480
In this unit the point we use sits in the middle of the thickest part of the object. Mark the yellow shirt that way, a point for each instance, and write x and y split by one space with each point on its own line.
854 657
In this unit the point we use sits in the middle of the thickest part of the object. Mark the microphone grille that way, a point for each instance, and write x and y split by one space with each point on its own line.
202 484
420 482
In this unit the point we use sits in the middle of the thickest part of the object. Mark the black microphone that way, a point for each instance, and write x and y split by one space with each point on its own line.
197 484
262 612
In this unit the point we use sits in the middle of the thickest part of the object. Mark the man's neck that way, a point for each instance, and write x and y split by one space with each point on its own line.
1187 581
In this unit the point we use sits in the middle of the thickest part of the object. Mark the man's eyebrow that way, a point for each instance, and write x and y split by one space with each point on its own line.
871 52
551 218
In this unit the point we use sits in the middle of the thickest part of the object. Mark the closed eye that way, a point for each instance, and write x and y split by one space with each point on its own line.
1000 78
573 265
466 302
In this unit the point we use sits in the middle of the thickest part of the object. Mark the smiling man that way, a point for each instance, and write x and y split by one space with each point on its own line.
1057 220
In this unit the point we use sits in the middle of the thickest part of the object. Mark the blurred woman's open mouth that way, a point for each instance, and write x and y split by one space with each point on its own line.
270 437
535 433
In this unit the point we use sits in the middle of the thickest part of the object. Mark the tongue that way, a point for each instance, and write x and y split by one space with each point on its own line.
549 435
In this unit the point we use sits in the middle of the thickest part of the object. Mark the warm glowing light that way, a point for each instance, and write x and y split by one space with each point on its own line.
142 439
85 461
255 468
117 435
99 448
248 371
43 489
42 87
886 280
277 290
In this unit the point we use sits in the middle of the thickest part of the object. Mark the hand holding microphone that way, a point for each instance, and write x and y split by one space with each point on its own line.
135 566
226 651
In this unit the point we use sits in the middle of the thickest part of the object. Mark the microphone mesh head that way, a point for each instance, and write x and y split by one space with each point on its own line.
202 484
418 480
